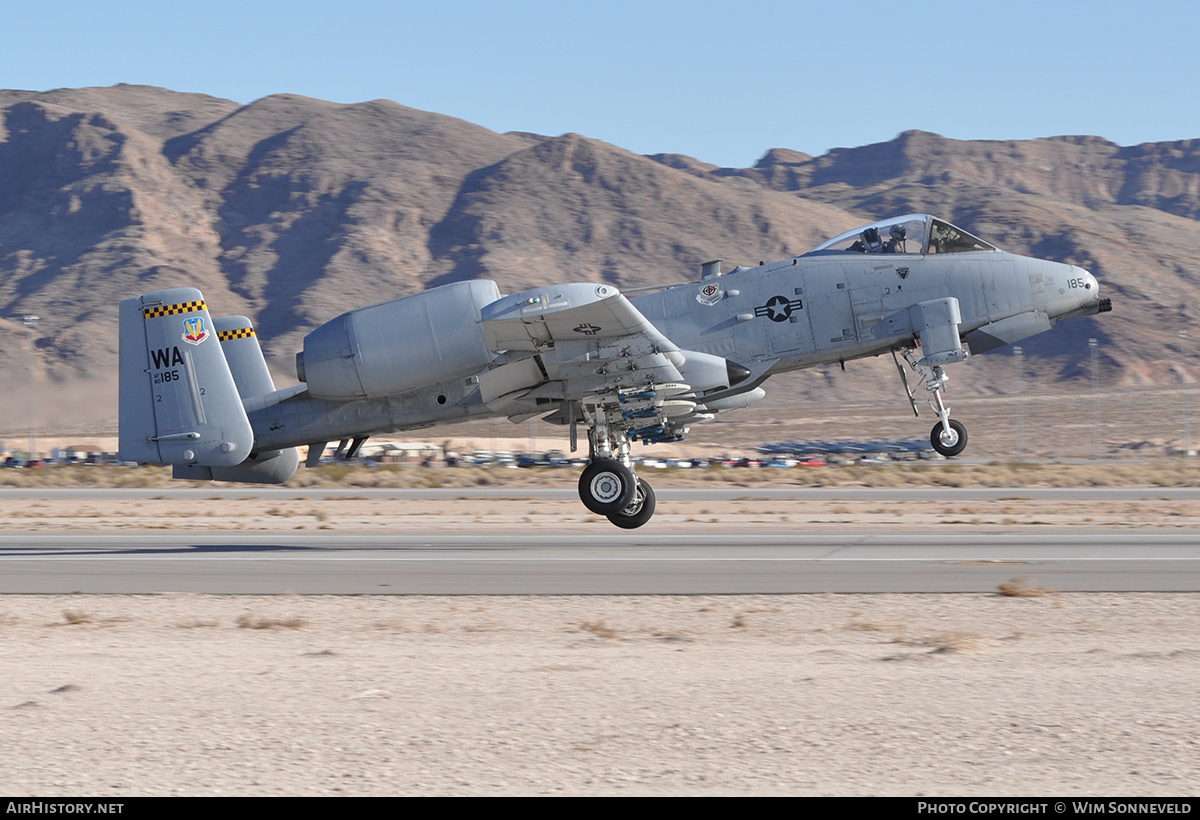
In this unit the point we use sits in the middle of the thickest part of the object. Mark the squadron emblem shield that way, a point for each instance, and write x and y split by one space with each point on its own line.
710 295
194 330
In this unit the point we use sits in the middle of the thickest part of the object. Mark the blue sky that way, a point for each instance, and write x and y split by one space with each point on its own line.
722 82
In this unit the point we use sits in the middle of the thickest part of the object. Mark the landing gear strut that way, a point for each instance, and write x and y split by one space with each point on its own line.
949 436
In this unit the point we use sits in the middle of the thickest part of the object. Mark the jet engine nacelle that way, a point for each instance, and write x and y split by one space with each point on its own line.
393 347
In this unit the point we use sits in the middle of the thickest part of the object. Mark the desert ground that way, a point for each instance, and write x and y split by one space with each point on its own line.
1028 694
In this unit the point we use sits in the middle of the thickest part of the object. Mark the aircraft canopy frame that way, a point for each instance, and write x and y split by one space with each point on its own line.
911 234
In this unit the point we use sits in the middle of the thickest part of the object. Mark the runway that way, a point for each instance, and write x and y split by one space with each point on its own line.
699 494
721 562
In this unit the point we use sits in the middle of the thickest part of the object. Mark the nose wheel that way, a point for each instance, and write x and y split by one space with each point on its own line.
948 439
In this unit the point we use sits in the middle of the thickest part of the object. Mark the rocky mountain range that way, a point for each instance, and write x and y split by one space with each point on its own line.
292 210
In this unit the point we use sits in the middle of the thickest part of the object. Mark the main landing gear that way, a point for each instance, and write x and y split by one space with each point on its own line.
608 485
638 511
609 488
948 436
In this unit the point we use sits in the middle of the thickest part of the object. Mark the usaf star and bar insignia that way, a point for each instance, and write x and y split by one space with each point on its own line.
779 308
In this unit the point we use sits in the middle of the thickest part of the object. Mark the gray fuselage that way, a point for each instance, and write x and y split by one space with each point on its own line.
823 307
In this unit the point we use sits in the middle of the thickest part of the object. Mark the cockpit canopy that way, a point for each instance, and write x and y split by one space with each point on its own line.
913 234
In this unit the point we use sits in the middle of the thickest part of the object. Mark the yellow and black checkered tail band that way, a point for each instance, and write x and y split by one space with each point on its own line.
236 333
173 310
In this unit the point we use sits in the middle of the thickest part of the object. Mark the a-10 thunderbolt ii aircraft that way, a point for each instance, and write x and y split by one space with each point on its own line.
196 393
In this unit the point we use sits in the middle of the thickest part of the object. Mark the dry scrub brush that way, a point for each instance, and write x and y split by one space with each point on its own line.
1022 587
248 621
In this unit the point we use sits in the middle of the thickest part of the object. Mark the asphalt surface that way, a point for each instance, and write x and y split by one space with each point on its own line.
723 562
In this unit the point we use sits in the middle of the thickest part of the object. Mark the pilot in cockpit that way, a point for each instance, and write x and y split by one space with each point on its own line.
897 244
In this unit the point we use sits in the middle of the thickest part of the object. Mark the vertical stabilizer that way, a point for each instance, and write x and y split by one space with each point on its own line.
244 356
179 403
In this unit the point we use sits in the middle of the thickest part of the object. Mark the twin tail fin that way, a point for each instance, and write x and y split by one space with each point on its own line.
183 377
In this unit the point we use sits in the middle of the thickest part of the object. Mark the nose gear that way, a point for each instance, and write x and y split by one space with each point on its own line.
949 436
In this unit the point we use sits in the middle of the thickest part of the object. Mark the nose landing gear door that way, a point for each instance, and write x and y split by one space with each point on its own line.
937 321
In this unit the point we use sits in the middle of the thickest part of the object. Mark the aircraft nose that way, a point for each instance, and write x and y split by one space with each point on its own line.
1084 295
1089 286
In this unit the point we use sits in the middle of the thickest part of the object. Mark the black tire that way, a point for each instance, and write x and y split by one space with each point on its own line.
639 511
949 448
606 486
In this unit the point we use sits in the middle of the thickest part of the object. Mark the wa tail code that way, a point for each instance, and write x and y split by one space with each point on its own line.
161 357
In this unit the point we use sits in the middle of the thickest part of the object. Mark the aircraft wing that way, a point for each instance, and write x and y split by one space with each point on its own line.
538 319
581 342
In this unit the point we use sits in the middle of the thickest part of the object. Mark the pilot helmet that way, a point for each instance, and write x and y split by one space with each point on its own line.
898 232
